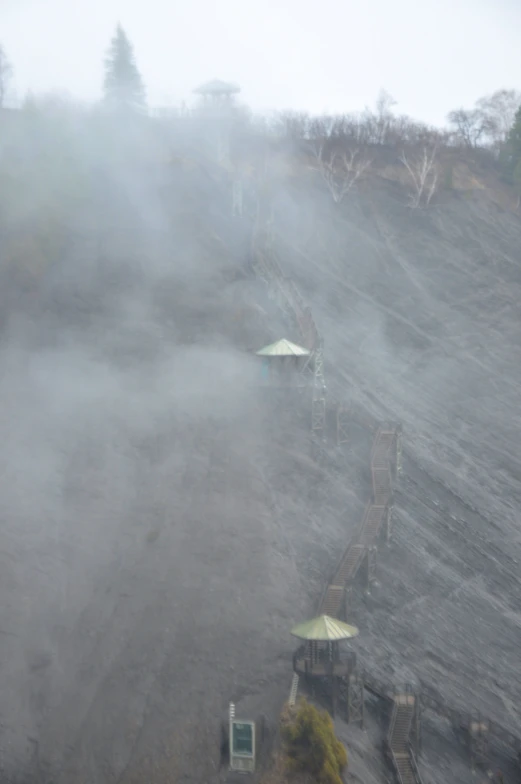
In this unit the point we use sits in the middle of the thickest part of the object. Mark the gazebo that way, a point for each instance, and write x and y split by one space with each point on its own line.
217 91
320 655
282 362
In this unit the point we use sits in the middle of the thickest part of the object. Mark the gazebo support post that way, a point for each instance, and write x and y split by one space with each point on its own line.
333 689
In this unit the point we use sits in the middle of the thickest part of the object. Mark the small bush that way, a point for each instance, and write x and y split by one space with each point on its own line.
311 745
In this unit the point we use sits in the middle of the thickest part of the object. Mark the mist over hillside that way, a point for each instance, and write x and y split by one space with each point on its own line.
164 517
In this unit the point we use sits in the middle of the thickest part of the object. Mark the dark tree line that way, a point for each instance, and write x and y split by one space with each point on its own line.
492 125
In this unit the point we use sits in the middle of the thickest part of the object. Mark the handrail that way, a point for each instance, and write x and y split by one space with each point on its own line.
392 724
265 256
414 765
396 768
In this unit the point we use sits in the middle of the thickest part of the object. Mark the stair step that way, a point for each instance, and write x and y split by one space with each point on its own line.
332 601
349 565
405 768
294 689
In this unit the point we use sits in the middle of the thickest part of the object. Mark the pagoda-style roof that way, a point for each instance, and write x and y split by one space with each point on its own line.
283 348
324 628
217 87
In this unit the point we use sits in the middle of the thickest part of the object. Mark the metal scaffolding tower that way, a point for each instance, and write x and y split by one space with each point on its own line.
216 112
318 405
355 700
343 420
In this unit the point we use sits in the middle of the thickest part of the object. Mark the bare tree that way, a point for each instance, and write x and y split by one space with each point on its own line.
470 125
340 170
423 172
292 125
6 72
489 123
323 128
499 111
348 128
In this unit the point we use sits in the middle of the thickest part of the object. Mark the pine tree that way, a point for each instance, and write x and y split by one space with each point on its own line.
510 157
123 85
6 72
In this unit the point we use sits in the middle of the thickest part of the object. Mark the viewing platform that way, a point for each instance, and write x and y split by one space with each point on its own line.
323 660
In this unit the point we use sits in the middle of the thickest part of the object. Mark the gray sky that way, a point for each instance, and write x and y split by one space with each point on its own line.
332 55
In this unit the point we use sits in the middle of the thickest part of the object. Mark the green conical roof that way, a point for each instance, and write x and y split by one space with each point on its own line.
283 348
324 628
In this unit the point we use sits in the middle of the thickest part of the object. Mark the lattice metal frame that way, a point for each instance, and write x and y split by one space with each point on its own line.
387 528
371 565
318 414
398 465
355 700
343 420
318 405
307 368
318 360
416 727
348 600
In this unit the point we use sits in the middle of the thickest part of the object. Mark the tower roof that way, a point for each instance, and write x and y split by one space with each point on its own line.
324 628
217 87
283 348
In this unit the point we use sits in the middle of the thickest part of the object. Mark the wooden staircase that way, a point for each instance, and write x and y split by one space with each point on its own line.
350 564
404 769
398 739
381 462
332 602
401 722
371 525
382 486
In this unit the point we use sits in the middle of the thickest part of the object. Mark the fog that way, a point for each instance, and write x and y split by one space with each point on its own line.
118 374
431 58
163 518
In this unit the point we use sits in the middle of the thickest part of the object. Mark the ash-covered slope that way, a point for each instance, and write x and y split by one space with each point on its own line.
156 504
421 319
163 521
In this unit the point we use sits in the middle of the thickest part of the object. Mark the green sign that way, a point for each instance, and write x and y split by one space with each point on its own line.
242 738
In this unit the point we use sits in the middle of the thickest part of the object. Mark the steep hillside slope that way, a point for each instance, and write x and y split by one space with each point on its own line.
163 520
421 319
156 503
